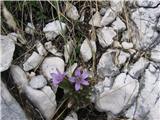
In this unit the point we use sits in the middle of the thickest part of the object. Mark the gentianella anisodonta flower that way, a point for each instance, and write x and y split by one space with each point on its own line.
79 78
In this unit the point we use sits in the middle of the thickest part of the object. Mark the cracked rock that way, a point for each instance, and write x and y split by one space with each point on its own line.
53 29
86 49
147 3
118 25
106 66
120 96
96 20
38 82
148 102
138 68
43 99
105 36
10 109
123 57
50 64
71 11
145 20
109 17
32 62
7 50
155 53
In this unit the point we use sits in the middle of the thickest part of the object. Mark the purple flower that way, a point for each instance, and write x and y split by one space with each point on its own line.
79 79
57 77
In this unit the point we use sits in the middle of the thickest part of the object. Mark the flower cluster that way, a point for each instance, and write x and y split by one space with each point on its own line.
79 78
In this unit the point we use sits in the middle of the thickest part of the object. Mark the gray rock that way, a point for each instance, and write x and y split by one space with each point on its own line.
123 57
127 45
148 102
138 68
96 20
87 47
106 66
53 29
118 25
71 11
117 5
158 24
10 109
109 17
146 20
38 82
71 69
72 116
7 50
43 99
155 53
147 3
105 36
18 76
52 49
33 61
50 64
120 96
40 48
30 29
68 48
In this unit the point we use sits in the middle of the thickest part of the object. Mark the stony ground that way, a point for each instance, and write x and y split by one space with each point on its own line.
117 42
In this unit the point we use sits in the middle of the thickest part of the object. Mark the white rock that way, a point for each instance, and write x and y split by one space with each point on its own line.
10 109
103 11
117 5
52 49
86 49
138 68
18 76
71 69
109 17
7 50
71 11
145 20
72 116
13 36
50 64
152 68
40 48
96 20
127 45
147 3
147 104
53 29
38 82
44 100
33 61
68 48
105 36
118 25
106 66
120 96
123 57
155 53
30 28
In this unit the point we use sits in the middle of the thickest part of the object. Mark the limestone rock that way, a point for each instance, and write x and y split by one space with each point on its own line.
33 61
96 20
30 28
68 48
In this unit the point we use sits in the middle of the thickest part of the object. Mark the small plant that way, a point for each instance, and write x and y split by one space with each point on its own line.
76 87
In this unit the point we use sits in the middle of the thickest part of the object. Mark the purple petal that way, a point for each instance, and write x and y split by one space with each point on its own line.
85 75
78 72
77 86
84 82
55 82
53 75
72 79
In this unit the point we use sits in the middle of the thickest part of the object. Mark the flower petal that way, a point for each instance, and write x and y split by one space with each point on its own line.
55 81
85 75
77 86
78 72
72 79
84 82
